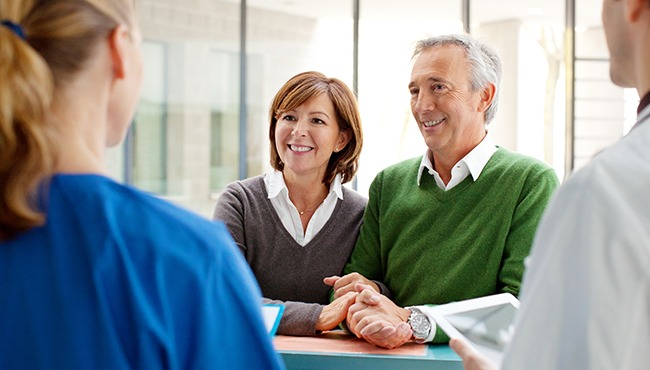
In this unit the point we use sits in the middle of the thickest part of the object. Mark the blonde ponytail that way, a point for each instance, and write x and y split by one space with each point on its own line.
26 154
59 38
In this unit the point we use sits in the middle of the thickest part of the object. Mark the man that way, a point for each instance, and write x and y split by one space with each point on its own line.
456 223
586 298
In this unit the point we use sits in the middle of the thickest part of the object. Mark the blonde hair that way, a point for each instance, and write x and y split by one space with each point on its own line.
60 37
305 86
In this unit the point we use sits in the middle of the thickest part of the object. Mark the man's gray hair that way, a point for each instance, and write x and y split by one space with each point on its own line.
485 64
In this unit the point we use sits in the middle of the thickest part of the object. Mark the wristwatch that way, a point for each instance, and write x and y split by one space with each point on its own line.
420 325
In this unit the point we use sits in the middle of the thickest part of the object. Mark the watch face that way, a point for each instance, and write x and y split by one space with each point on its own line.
419 324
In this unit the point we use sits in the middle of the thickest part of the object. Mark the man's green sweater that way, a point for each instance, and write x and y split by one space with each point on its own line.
430 246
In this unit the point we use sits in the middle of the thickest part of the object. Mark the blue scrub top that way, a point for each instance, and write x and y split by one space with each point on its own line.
119 279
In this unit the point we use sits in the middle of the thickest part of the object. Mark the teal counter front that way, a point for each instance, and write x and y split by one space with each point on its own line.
337 350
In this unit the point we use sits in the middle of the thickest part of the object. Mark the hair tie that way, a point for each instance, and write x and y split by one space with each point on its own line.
15 28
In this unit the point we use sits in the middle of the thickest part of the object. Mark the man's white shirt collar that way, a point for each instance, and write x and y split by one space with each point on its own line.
473 163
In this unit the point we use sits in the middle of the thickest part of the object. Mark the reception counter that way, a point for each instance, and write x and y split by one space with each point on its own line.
338 350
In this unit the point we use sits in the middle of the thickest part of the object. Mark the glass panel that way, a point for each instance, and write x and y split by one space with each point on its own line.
528 35
286 38
590 38
603 111
185 139
148 131
224 118
388 31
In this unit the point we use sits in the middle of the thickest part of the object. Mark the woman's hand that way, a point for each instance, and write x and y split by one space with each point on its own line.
344 285
335 312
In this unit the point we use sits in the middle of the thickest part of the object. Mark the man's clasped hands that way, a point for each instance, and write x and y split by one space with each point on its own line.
367 313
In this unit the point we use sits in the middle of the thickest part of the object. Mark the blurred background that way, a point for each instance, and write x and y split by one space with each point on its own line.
212 68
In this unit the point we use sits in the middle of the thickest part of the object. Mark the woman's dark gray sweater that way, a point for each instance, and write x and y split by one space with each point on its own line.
287 272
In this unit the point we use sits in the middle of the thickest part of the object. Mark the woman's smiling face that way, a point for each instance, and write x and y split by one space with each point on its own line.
306 137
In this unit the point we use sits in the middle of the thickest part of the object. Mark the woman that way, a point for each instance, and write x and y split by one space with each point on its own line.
298 224
94 274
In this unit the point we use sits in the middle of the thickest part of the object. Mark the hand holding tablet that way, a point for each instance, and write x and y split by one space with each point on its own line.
487 323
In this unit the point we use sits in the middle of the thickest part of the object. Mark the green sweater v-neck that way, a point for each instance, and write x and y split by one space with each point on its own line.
430 246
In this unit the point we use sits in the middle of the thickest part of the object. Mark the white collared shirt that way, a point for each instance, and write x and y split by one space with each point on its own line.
286 210
473 163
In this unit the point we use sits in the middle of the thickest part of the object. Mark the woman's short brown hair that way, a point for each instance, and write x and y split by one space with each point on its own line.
305 86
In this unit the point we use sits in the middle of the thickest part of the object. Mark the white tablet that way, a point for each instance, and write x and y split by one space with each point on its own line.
487 323
272 314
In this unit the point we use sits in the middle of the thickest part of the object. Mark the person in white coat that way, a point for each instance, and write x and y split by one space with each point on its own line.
585 300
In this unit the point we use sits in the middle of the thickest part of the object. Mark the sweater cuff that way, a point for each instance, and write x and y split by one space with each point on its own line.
299 318
383 289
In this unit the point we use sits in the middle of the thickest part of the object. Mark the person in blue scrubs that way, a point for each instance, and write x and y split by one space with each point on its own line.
95 274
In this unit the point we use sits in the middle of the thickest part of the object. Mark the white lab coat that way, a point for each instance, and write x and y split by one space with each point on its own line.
585 300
